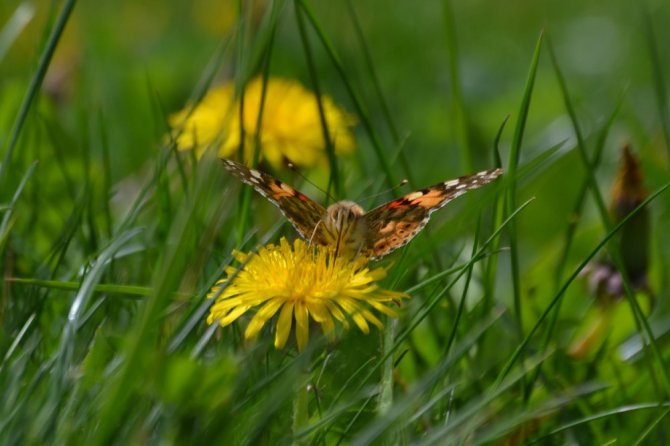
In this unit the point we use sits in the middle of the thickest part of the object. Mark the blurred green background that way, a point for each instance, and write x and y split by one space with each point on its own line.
115 56
450 73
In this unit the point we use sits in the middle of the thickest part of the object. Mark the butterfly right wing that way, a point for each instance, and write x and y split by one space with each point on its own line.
394 224
304 213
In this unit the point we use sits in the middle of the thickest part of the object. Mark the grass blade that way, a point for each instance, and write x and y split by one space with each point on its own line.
34 86
334 181
358 103
519 350
615 254
512 164
15 25
5 225
460 122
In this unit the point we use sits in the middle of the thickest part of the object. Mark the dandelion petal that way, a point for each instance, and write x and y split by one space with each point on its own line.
284 325
301 325
302 282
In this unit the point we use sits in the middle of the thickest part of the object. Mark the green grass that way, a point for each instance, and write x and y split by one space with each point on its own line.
111 238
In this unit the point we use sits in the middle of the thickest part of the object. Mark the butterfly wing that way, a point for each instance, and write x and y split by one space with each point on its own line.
394 224
304 213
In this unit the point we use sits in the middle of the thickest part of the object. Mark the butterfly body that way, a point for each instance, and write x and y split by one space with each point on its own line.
346 226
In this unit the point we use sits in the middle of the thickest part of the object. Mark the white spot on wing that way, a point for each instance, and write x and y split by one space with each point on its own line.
414 195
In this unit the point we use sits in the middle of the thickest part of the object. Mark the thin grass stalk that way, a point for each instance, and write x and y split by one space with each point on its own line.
383 103
581 144
35 83
372 73
511 427
300 416
386 392
525 341
570 233
240 85
644 435
657 72
261 107
385 401
106 176
599 416
6 223
334 178
491 267
423 313
640 319
14 26
424 387
245 193
350 383
459 119
661 97
142 336
61 381
266 45
513 162
478 411
361 110
464 295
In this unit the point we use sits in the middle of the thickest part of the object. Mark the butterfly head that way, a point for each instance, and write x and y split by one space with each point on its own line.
342 228
343 213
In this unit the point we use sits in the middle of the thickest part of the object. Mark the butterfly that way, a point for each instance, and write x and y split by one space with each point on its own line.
346 226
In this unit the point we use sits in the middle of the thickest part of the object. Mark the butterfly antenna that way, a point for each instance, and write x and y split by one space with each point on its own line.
390 189
294 168
311 238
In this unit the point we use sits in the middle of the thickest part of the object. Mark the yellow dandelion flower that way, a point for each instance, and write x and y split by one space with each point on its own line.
290 127
300 282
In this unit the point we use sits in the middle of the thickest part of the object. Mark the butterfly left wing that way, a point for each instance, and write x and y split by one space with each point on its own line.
304 213
394 224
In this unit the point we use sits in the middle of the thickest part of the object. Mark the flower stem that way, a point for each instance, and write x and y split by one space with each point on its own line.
386 391
300 407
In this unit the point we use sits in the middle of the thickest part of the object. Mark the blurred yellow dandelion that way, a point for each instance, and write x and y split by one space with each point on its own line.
300 282
290 126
